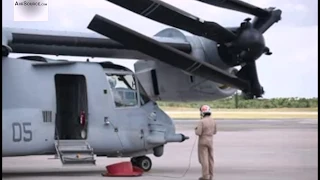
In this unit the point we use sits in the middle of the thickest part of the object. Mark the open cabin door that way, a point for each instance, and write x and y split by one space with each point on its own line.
72 120
72 106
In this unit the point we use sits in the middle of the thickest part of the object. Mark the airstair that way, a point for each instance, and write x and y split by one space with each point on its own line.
75 152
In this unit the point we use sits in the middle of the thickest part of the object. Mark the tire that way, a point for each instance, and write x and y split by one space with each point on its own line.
144 163
134 161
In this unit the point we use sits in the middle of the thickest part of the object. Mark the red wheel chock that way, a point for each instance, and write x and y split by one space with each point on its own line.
122 169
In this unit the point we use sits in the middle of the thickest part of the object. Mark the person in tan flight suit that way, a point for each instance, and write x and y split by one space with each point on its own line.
205 129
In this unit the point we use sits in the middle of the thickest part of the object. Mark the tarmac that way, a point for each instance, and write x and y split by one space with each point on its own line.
244 150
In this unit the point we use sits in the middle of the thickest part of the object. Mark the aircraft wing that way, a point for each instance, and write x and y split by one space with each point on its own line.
78 44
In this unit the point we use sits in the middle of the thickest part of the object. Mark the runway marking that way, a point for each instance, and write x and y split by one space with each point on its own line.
247 112
308 122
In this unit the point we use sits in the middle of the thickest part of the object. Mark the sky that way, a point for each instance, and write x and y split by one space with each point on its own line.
291 71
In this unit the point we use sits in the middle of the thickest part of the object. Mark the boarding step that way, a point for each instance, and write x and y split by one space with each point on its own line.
75 152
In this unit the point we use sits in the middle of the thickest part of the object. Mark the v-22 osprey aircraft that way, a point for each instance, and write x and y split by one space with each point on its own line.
80 109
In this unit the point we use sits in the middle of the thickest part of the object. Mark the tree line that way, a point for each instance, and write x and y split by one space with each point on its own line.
240 102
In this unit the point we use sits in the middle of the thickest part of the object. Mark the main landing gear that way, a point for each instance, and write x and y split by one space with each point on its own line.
142 162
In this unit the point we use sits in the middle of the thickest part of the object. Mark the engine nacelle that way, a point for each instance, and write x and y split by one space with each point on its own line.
201 48
167 83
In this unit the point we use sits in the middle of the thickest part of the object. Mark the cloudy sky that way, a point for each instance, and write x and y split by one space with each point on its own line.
290 72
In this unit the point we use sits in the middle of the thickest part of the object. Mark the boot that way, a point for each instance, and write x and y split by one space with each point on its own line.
202 178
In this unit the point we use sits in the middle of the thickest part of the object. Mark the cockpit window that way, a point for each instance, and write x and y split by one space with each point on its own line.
123 89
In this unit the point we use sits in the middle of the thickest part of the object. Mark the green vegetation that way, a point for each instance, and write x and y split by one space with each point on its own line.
239 102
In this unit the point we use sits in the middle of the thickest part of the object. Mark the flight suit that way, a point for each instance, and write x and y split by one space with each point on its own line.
205 129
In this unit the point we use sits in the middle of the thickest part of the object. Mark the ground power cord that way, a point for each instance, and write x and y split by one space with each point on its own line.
185 172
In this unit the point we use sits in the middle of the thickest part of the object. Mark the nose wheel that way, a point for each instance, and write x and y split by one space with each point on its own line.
142 162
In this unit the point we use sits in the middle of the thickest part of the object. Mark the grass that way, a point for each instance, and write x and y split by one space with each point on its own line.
281 113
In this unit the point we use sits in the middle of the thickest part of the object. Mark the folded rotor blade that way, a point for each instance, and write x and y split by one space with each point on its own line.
264 19
166 54
76 41
262 24
167 14
237 5
249 72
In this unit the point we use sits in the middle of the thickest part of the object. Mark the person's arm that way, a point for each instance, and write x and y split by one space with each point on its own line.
198 129
215 128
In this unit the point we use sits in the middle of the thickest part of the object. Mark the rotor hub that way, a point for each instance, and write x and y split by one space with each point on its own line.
249 45
252 43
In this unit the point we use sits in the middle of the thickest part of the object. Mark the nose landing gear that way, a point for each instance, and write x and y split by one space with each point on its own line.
142 162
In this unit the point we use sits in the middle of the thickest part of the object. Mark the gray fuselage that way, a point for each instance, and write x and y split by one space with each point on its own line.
43 101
